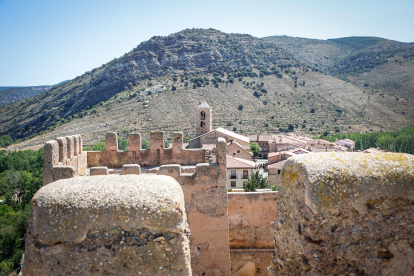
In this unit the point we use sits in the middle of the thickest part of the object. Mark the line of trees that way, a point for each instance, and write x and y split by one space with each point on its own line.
395 141
21 175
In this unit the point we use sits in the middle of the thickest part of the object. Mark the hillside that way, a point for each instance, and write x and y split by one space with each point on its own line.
252 85
378 63
13 94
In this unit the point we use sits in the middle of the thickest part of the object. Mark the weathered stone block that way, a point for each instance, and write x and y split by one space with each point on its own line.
344 214
108 225
63 172
111 141
71 147
131 169
173 170
99 171
156 140
221 151
134 142
177 140
76 144
63 150
51 158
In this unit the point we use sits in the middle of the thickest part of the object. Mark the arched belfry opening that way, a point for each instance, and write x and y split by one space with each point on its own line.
203 118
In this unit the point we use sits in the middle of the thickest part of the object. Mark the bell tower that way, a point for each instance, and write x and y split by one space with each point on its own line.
204 118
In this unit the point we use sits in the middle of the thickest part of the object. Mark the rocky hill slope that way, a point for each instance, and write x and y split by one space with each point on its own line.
253 86
13 94
378 63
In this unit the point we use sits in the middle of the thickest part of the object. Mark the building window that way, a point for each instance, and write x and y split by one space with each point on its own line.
233 184
234 153
203 115
245 174
202 124
233 174
278 171
238 151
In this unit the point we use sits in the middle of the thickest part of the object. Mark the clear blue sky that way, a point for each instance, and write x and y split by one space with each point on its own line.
46 42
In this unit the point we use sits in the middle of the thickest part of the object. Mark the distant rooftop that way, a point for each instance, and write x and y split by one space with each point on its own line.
204 104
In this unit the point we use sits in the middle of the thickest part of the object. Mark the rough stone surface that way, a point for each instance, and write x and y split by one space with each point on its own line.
50 158
71 147
131 169
108 225
345 214
134 142
63 172
63 150
261 259
111 141
99 171
250 217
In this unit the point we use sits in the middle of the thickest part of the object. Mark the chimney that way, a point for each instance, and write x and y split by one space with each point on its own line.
258 137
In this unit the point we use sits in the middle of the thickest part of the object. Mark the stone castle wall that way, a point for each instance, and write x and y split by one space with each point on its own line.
345 214
250 227
63 158
205 196
155 155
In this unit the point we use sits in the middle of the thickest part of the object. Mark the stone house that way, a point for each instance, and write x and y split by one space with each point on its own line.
349 144
238 171
264 143
236 150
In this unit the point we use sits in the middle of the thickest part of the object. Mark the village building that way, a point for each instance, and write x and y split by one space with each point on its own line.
276 161
238 171
236 150
349 144
319 145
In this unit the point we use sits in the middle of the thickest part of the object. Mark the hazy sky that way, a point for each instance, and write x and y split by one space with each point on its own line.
46 42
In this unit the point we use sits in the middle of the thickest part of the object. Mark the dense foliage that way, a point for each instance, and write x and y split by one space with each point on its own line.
256 181
254 149
5 140
21 175
395 141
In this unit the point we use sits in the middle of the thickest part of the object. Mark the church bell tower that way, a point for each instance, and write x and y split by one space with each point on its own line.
204 118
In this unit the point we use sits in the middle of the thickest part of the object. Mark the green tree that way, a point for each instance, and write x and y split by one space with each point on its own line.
256 181
255 149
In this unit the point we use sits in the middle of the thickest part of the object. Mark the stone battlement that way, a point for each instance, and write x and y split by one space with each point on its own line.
345 213
155 155
63 158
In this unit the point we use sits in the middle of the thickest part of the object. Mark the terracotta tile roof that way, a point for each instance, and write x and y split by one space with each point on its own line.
339 147
281 152
267 138
319 142
278 165
235 162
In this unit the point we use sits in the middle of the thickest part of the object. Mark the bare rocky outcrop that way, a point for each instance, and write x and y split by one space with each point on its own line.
345 214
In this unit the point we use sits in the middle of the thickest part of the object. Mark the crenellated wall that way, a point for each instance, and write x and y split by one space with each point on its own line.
205 196
63 158
155 155
345 214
